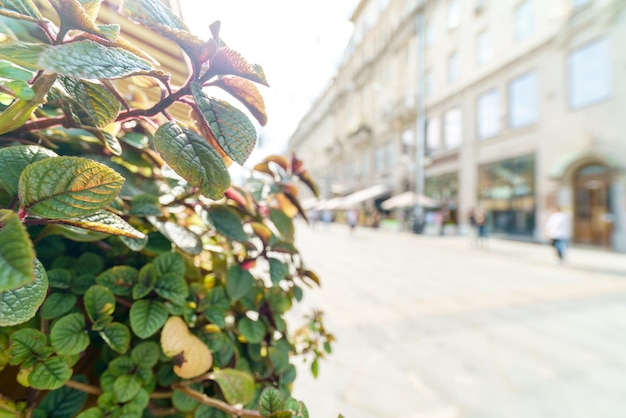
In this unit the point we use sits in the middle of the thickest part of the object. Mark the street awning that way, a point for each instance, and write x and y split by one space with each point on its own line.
408 200
363 195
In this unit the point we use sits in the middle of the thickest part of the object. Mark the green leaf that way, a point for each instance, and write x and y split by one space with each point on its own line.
180 236
60 278
16 252
315 368
283 223
94 99
93 412
135 244
91 61
23 7
99 302
229 125
103 221
281 414
21 89
57 304
14 159
50 374
238 282
21 53
145 281
152 13
169 263
126 387
183 402
67 187
89 263
147 317
298 408
117 336
146 354
25 343
252 331
237 386
64 402
145 205
172 287
119 279
191 157
68 334
14 73
227 222
19 305
120 366
278 270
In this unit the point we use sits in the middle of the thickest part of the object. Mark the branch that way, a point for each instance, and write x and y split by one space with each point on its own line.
83 387
216 403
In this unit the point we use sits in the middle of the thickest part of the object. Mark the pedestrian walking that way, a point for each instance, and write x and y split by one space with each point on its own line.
558 231
352 217
479 216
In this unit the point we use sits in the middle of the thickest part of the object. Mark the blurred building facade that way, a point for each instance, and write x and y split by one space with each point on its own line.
518 107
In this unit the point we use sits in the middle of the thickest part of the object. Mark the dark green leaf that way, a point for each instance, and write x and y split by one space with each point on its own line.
67 187
93 412
15 158
99 302
238 282
278 270
64 402
146 354
227 222
147 317
193 159
229 125
283 223
145 205
172 287
237 386
281 414
145 281
19 305
25 343
68 334
60 278
271 401
16 253
120 366
169 263
117 336
89 263
184 403
57 304
50 374
95 99
252 331
119 279
126 387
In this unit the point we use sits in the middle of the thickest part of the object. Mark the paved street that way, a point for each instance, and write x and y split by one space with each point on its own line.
432 327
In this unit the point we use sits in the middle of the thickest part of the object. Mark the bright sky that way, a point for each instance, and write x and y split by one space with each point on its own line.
298 43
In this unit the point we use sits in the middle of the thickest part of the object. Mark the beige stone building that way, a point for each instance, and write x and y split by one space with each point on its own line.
518 105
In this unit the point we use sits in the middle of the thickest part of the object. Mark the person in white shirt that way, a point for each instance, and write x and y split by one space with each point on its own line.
558 229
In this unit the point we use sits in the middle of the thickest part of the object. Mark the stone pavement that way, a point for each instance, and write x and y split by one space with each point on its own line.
433 327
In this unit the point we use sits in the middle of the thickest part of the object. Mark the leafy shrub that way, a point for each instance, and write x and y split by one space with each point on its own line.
135 280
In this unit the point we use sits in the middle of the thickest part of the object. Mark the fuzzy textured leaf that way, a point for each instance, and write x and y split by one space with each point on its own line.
172 287
119 279
57 304
25 343
67 187
227 222
69 335
236 385
50 374
23 7
248 94
147 317
193 159
146 354
64 402
21 53
169 263
19 305
17 254
271 401
126 387
95 99
104 221
182 237
99 302
230 126
14 159
152 13
229 62
117 336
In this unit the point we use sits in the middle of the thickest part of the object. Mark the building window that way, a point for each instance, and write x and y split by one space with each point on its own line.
454 14
524 20
453 67
589 74
433 135
379 158
429 29
389 154
428 83
453 128
484 50
444 188
365 164
488 114
523 100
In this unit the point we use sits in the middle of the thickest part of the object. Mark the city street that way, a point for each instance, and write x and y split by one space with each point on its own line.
433 327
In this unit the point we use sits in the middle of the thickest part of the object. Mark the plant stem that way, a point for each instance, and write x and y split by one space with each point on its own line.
216 403
83 387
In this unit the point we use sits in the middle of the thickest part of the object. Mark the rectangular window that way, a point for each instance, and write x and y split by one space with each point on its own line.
484 50
378 158
524 20
589 74
365 164
453 128
389 155
433 135
523 100
488 119
454 14
453 67
430 33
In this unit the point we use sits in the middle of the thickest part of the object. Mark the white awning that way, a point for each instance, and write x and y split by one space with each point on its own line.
409 199
363 195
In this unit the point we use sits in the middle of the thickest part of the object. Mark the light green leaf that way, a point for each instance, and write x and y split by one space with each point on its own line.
99 302
227 222
298 408
172 287
120 279
120 366
14 159
21 53
64 402
271 401
95 99
229 125
20 110
180 236
135 244
167 263
191 157
117 336
147 317
67 187
146 354
237 386
16 252
68 334
104 221
21 89
283 223
145 205
50 374
23 7
278 270
126 387
152 13
252 331
57 304
93 412
19 305
281 414
238 282
91 61
14 73
25 343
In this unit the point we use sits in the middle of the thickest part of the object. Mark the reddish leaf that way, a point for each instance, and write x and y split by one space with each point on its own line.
229 62
247 93
286 205
262 231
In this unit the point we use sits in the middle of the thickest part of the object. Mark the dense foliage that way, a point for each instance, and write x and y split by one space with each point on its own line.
135 280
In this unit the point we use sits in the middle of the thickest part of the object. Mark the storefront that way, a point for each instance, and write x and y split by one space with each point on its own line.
445 189
506 190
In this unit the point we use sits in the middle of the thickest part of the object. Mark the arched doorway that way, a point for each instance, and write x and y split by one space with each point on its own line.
592 205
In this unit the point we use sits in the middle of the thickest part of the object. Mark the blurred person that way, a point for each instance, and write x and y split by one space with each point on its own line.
479 216
352 217
558 231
